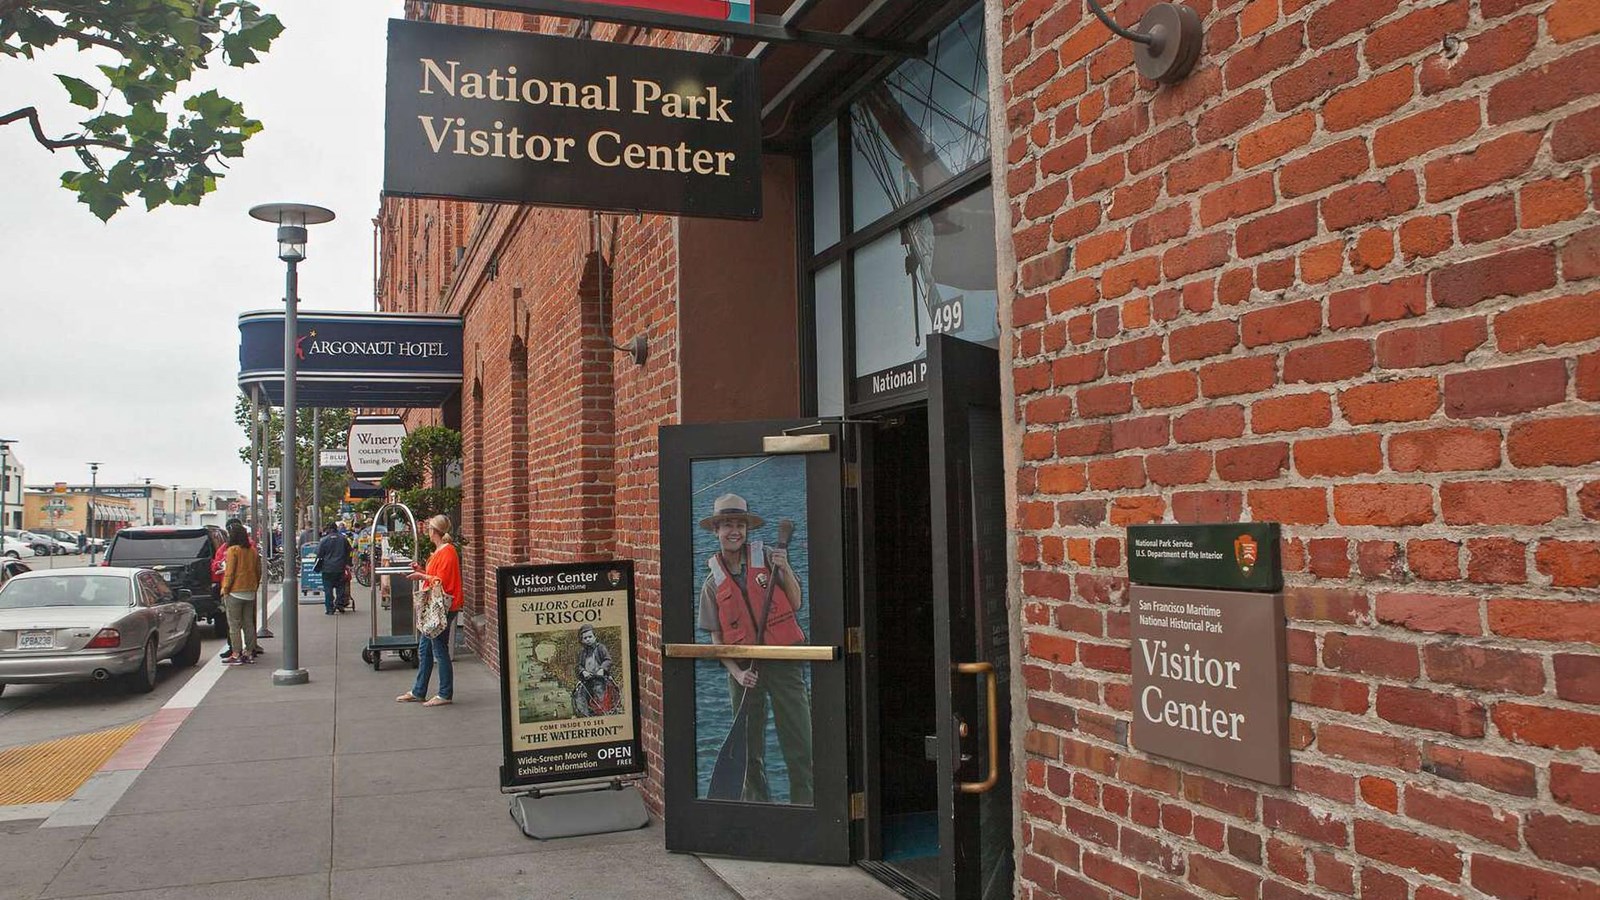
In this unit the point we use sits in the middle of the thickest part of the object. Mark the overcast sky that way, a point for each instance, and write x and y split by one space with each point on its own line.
119 342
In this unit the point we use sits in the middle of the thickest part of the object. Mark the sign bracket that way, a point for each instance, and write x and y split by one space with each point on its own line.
770 29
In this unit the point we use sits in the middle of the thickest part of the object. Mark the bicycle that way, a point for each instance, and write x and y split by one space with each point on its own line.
363 573
275 568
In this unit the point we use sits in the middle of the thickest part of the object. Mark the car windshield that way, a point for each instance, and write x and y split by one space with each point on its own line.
65 590
140 547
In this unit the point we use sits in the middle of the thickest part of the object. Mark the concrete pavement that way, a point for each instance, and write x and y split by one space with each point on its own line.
333 790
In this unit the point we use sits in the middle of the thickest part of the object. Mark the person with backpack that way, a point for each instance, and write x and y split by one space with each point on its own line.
333 560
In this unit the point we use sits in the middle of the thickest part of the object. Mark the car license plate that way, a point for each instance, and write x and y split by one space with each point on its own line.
36 640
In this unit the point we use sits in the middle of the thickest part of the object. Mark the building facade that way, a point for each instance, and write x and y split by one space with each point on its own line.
1341 278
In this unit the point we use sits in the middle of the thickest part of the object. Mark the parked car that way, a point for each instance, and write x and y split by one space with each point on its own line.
10 568
66 538
93 624
15 548
40 545
56 545
181 556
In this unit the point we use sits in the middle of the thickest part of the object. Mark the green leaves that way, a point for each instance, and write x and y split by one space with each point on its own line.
135 144
79 90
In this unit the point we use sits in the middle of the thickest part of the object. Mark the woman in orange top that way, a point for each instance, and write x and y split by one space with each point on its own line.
444 570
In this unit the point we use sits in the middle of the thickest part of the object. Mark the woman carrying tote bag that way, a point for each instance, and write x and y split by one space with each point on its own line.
442 574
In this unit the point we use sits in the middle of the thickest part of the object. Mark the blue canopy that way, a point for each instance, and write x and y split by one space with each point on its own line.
354 359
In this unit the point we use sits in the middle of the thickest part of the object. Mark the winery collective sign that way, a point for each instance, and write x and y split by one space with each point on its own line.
501 116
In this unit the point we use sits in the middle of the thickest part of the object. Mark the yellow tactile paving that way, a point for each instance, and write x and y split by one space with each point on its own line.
51 771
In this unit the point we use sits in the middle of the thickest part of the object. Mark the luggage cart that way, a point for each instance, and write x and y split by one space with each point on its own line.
404 645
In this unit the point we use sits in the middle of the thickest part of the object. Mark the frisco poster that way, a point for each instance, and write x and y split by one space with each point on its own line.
569 699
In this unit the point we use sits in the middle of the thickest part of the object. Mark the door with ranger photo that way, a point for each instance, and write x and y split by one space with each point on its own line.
753 675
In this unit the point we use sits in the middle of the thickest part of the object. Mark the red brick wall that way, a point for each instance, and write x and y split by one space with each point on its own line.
559 430
1342 278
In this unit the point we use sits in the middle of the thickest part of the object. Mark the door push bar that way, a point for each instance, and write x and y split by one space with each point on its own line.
979 787
823 653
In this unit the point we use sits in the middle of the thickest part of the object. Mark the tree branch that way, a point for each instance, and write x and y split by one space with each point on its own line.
32 115
87 38
11 6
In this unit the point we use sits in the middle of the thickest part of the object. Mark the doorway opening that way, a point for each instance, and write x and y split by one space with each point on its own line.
902 586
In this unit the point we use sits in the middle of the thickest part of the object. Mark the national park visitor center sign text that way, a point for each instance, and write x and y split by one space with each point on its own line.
501 116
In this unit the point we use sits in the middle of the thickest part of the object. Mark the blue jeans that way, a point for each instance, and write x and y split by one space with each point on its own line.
430 649
334 592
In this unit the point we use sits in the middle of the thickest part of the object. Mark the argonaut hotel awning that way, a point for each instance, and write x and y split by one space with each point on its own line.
354 359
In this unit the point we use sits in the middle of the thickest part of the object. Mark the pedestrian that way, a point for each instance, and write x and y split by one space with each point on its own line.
444 572
333 559
241 576
219 568
751 596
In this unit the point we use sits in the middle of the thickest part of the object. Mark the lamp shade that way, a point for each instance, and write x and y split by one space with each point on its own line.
291 219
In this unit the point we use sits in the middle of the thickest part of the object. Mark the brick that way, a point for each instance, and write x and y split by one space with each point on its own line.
1366 655
1556 83
1238 199
1553 200
1166 389
1340 18
1343 694
1324 168
1322 262
1291 412
1565 441
1387 302
1577 677
1391 401
1416 31
1570 20
1315 604
1574 564
1425 236
1431 345
1430 613
1370 201
1276 230
1246 375
1314 78
1491 162
1105 399
1373 249
1198 254
1445 450
1543 726
1202 170
1273 52
1142 432
1342 455
1319 826
1121 472
1466 816
1230 115
1545 620
1497 773
1512 273
1133 356
1502 502
1548 323
1514 881
1430 710
1429 129
1379 559
1208 424
1495 50
1290 506
1201 341
1589 500
1505 390
1488 219
1575 787
1497 560
1576 136
1079 368
1485 668
1332 361
1282 323
1362 746
1257 462
1383 504
1407 850
1191 507
1371 99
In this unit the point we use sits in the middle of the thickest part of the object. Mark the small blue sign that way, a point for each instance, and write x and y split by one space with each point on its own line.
310 580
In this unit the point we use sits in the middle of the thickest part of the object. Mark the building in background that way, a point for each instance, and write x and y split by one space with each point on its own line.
72 512
11 478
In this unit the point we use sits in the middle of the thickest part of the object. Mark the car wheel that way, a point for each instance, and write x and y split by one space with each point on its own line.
13 554
189 654
143 681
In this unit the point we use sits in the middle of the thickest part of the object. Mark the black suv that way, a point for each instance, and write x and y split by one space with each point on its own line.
182 555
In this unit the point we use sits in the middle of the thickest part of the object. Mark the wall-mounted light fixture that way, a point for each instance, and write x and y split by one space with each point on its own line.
1168 41
638 348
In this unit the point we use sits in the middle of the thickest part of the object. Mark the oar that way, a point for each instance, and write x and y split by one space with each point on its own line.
727 776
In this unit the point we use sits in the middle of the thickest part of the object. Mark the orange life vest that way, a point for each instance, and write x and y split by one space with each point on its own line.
736 607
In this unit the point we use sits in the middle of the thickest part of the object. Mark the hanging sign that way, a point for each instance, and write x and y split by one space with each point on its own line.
569 689
374 446
334 459
1236 555
512 117
727 10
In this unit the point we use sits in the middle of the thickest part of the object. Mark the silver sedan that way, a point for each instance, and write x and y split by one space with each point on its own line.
93 624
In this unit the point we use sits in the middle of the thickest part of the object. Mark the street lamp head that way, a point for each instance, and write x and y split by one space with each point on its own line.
291 219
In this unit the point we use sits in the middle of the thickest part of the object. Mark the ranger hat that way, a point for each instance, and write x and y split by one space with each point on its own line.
731 506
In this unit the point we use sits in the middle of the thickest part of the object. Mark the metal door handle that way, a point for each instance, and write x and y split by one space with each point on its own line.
987 784
822 652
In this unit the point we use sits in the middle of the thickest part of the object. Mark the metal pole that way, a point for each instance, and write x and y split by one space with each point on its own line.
316 474
94 475
291 673
258 506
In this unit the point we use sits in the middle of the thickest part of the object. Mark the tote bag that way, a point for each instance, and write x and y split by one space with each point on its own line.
433 613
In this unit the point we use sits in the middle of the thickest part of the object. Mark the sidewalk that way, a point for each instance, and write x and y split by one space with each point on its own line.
333 790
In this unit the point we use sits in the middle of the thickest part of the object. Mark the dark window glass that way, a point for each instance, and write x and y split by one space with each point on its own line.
825 188
140 547
925 123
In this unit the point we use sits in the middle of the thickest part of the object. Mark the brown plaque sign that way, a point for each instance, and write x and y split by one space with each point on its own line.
1210 684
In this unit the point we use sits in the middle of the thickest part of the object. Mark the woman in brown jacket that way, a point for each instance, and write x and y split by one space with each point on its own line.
241 576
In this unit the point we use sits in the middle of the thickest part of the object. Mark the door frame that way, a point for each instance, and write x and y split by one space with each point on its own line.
819 833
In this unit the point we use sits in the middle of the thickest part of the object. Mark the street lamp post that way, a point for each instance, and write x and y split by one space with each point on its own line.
292 220
94 482
172 510
194 505
147 519
5 487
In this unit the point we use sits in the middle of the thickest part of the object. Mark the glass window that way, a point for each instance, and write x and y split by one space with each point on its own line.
936 273
825 188
925 123
828 292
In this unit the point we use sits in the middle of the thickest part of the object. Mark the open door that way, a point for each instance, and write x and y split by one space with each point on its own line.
752 631
971 631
